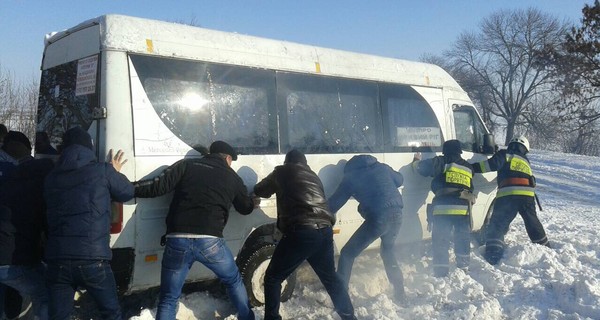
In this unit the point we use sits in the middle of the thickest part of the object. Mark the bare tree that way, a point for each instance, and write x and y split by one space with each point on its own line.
575 64
18 103
498 62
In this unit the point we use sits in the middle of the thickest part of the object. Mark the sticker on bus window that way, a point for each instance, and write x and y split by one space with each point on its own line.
86 76
418 137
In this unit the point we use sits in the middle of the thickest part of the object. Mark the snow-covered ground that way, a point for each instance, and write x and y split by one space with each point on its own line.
531 282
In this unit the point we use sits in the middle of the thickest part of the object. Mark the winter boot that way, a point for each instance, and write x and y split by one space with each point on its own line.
493 254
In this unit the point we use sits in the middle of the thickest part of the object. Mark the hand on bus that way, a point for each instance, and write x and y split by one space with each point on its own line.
117 161
255 200
417 156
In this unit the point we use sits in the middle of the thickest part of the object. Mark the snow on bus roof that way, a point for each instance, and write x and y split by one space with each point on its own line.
170 39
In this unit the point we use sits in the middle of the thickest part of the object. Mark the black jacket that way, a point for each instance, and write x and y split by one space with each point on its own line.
7 236
78 193
22 193
205 188
300 196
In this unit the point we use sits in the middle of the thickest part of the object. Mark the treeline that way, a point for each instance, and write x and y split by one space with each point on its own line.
530 73
18 103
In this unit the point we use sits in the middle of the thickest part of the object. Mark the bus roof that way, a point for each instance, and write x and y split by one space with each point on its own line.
175 40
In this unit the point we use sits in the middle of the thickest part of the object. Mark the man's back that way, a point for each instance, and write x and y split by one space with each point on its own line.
78 194
204 190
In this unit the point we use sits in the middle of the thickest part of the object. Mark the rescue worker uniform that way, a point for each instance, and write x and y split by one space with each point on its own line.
450 209
516 193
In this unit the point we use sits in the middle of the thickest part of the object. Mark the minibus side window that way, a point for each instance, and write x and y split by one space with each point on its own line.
328 115
411 124
203 102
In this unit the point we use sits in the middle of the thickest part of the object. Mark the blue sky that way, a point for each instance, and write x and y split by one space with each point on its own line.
391 28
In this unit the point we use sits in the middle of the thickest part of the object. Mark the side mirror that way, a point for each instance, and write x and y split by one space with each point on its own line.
489 146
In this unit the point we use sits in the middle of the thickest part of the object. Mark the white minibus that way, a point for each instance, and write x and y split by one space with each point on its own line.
160 91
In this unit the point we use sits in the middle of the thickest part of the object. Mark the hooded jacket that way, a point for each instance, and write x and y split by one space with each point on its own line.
78 193
373 184
300 195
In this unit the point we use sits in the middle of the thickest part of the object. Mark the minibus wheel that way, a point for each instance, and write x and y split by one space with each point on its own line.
253 273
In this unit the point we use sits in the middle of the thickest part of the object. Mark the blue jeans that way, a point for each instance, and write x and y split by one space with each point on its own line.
28 280
95 276
316 247
386 228
179 256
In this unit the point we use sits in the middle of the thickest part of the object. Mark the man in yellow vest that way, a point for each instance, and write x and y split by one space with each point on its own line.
448 216
516 194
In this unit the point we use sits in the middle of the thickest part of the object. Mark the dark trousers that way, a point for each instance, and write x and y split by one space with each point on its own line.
386 229
441 233
316 247
505 211
64 276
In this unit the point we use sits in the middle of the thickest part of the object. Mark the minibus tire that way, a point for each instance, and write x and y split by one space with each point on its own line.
253 274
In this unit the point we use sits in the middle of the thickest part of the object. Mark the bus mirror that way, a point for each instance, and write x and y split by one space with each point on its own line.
489 146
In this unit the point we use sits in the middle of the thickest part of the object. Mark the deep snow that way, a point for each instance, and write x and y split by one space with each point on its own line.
531 282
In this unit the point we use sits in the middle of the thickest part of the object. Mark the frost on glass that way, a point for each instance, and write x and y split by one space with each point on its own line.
201 103
330 115
411 120
58 107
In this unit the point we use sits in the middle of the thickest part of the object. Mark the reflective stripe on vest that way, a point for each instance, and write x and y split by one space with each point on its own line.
455 210
515 191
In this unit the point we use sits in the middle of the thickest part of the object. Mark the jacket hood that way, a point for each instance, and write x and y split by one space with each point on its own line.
74 157
360 162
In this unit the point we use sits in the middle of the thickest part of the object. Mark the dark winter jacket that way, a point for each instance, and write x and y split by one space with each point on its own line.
373 184
205 189
78 195
22 192
451 175
7 236
515 176
300 196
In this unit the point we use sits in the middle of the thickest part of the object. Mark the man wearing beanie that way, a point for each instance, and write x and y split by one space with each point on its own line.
204 190
450 209
306 223
78 194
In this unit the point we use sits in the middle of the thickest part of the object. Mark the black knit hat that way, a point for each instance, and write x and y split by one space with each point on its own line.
223 147
76 135
16 136
451 147
295 156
